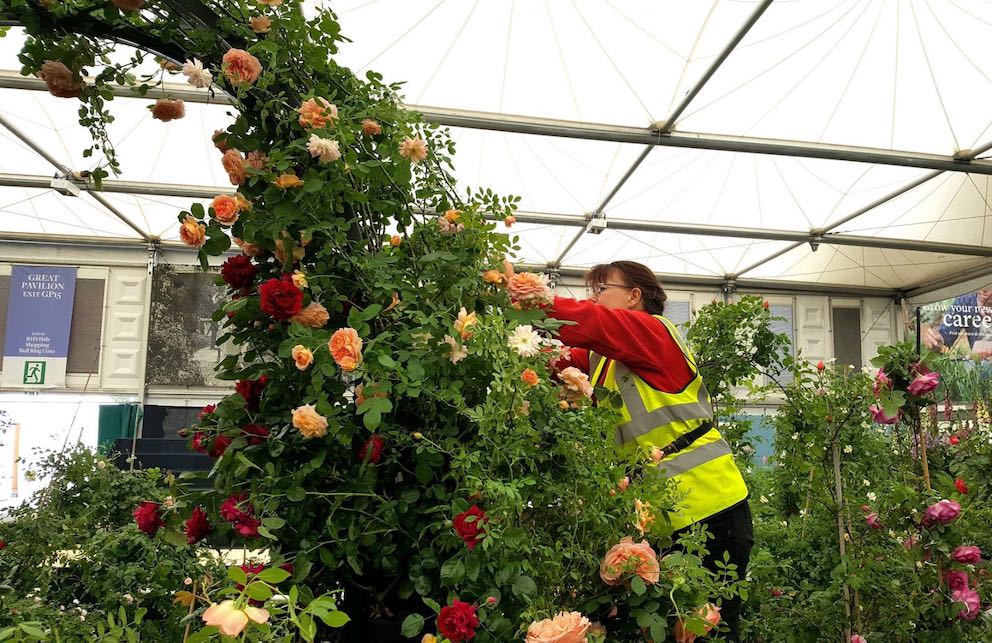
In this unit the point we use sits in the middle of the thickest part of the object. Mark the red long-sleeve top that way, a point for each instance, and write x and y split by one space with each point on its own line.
635 338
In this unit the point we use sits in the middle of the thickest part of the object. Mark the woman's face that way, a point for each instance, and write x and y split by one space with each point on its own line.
615 293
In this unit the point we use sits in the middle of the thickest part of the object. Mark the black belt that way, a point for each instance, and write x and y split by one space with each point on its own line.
684 440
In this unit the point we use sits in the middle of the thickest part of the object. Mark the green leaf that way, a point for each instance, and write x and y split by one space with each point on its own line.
431 603
637 585
296 494
273 522
237 575
524 586
412 625
273 575
173 537
335 619
258 591
31 630
452 571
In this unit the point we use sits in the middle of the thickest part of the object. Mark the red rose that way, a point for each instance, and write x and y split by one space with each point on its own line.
288 567
280 298
207 410
251 390
197 444
219 446
248 527
469 531
255 433
231 509
776 592
238 272
961 486
3 544
197 527
147 516
376 443
457 621
955 439
820 365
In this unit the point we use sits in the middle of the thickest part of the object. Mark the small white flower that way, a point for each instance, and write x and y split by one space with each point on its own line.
323 148
872 496
866 483
763 500
197 76
802 513
785 524
795 436
525 340
919 564
848 448
128 599
101 465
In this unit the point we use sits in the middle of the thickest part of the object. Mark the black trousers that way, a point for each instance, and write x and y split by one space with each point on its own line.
733 533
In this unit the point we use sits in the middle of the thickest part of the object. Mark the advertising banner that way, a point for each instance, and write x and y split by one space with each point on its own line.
962 325
39 319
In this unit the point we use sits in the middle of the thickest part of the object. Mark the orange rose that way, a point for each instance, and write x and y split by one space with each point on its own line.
240 67
167 110
249 249
709 613
529 376
509 221
565 627
395 240
313 316
371 128
492 277
346 348
287 181
453 215
225 209
317 112
220 140
302 357
61 81
310 423
260 24
300 280
529 287
414 149
627 557
192 232
234 164
360 394
244 205
464 322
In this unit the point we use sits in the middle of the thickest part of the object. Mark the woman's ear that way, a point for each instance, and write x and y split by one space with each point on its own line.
635 300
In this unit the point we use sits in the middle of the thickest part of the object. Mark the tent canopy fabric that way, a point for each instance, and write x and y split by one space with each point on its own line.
837 144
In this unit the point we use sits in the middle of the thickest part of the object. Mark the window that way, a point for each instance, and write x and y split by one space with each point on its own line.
677 312
785 326
847 336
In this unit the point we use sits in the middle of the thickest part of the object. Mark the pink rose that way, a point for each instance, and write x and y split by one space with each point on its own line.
971 600
879 417
873 521
565 627
882 382
414 149
941 513
857 638
957 581
910 541
710 613
628 557
923 384
967 554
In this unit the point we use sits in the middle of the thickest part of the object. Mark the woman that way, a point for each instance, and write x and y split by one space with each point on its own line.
625 344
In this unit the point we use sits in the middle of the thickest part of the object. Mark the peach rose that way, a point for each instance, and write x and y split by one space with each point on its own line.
628 557
302 357
529 287
710 613
529 376
346 348
414 149
576 383
61 81
287 181
128 5
249 249
300 280
360 394
313 316
240 67
465 321
257 160
453 215
260 24
220 141
192 232
371 128
395 240
318 112
323 149
509 221
231 620
492 277
310 423
167 110
565 627
234 164
244 205
225 209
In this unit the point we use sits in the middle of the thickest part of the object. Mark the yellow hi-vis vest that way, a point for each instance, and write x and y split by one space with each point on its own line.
705 471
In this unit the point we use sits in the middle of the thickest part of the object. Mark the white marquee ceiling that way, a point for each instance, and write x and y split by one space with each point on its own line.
909 79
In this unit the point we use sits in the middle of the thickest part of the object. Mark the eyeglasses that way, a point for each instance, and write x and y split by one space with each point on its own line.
597 289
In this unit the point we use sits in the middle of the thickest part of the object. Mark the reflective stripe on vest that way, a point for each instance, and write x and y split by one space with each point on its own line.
643 421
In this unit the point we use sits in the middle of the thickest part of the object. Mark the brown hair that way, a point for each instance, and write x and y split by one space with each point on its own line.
636 275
